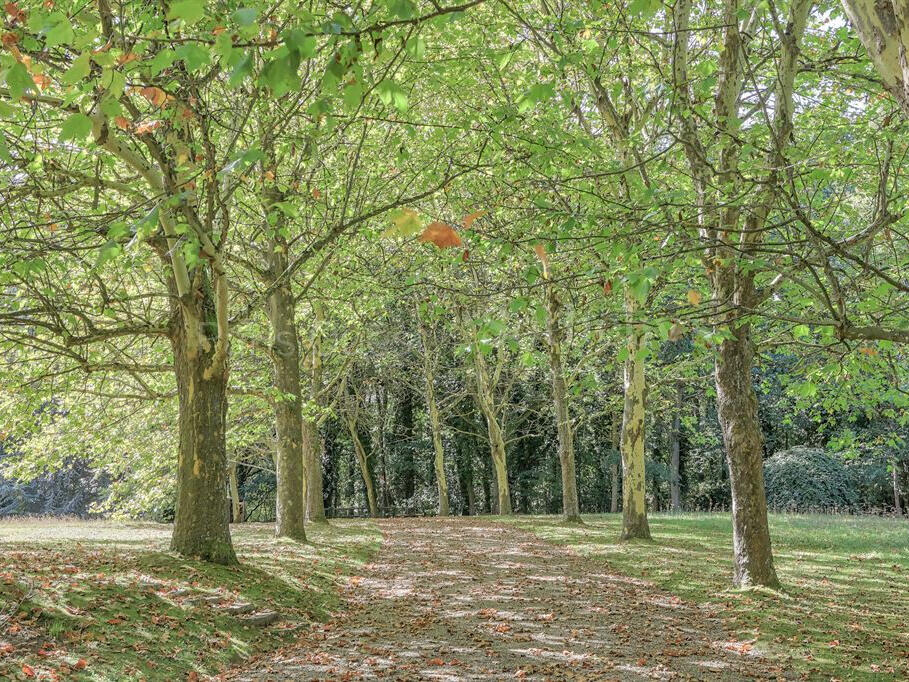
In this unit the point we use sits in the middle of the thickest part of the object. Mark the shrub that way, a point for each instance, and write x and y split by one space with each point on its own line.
810 479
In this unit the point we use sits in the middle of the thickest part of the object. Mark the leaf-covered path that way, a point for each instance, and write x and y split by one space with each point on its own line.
468 599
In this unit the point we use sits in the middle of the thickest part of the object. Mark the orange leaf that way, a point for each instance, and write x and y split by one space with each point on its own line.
156 96
436 661
694 296
81 664
27 670
465 256
10 39
540 250
476 215
316 193
15 13
127 58
441 234
503 628
868 350
121 122
147 126
607 288
41 80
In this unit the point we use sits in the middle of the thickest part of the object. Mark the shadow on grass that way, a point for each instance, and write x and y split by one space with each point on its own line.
846 583
129 608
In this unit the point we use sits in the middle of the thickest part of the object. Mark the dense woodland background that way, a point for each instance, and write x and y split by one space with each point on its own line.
283 261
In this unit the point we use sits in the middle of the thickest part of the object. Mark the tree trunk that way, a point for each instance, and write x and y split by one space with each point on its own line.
738 416
497 450
494 429
312 467
897 507
312 444
290 502
675 481
365 469
634 502
236 511
570 506
201 523
881 26
435 421
438 461
614 482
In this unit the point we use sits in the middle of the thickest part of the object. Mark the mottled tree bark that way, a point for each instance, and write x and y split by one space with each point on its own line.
570 506
738 416
634 501
290 502
883 28
201 522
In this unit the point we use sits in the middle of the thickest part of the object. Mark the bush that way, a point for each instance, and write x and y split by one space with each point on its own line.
810 479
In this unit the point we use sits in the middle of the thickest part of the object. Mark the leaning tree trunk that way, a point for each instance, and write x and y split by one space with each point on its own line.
236 510
634 502
290 506
675 480
737 410
201 522
365 468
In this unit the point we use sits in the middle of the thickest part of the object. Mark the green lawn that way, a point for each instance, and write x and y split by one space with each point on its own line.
106 601
844 610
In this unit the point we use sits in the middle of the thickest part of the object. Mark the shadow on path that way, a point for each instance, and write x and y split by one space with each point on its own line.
470 599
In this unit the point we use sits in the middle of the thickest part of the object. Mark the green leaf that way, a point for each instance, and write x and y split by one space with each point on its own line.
76 127
79 70
402 9
4 150
392 94
18 80
194 57
241 70
536 94
300 42
190 11
245 16
58 30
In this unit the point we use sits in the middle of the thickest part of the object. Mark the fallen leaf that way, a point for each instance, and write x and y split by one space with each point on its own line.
694 296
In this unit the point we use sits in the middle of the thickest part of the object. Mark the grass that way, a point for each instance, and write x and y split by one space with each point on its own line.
107 601
844 610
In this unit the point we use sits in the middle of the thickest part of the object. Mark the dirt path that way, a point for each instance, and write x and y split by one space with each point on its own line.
467 599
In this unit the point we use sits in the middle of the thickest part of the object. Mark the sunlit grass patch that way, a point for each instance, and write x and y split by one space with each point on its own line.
107 601
844 610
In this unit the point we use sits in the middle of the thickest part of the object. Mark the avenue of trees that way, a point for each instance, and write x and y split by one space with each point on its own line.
292 260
